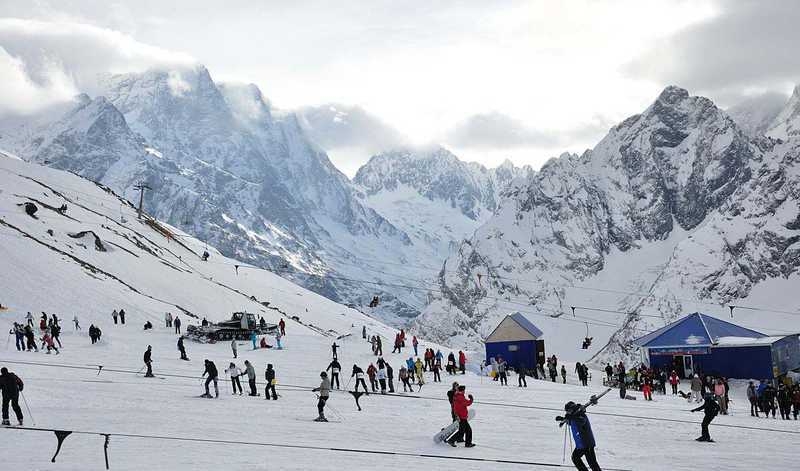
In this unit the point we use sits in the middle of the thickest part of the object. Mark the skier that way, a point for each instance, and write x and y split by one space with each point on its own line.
460 405
122 316
674 381
410 368
501 372
115 315
403 375
55 333
269 375
76 322
451 364
235 348
521 377
251 377
148 361
234 373
333 349
29 319
182 349
282 326
462 362
582 435
710 408
177 324
415 343
47 341
382 379
390 377
397 344
211 371
358 373
19 336
437 368
334 367
418 366
10 385
324 390
371 370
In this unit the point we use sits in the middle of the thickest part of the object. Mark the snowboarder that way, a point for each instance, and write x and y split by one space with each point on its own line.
710 408
235 348
324 390
11 386
115 316
251 377
211 371
282 326
182 349
148 361
76 322
334 367
269 375
177 323
460 405
358 373
582 435
234 373
122 316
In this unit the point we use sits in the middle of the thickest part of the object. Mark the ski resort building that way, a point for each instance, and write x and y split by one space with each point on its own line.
699 343
517 340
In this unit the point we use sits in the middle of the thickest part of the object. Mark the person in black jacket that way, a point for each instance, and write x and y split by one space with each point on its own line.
10 386
182 349
450 394
148 361
334 368
582 435
211 371
269 375
710 408
358 373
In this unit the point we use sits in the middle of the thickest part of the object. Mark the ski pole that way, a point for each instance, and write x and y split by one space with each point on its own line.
30 414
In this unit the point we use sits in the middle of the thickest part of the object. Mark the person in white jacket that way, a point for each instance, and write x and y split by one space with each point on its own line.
234 373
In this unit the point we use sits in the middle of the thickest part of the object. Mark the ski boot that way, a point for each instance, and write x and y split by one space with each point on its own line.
469 445
321 419
20 422
206 395
6 423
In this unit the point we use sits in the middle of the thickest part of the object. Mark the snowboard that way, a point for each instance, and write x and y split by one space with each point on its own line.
448 431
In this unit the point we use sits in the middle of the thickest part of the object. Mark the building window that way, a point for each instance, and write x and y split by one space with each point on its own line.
513 348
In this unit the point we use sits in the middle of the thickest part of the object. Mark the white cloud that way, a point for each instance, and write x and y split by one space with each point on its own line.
47 61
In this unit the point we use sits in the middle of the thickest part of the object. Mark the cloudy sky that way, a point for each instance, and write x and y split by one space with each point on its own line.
524 80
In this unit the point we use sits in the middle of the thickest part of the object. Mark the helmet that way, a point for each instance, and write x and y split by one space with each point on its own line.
570 406
323 375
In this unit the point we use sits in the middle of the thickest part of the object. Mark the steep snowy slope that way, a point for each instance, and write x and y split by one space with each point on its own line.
754 115
786 124
675 210
98 256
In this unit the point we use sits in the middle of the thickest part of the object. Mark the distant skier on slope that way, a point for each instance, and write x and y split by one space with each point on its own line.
148 361
269 375
334 367
710 409
211 371
324 390
582 435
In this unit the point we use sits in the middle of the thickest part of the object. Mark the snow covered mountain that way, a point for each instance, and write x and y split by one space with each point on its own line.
786 124
755 115
222 165
675 210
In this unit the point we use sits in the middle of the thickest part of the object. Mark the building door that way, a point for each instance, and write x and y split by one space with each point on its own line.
677 365
688 366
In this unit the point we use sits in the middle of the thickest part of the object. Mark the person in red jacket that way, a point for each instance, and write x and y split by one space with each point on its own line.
462 362
460 404
282 327
674 381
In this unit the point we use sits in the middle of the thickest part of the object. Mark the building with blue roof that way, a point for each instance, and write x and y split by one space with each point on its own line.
699 343
517 341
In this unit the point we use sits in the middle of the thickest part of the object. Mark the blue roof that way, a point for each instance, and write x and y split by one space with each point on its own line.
526 324
694 330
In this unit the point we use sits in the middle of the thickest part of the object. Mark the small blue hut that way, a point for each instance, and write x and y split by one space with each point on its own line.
518 341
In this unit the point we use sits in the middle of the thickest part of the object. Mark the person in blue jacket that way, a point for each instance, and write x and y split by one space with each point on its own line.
582 435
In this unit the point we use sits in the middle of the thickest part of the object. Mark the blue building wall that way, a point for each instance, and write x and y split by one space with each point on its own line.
730 362
524 356
786 354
